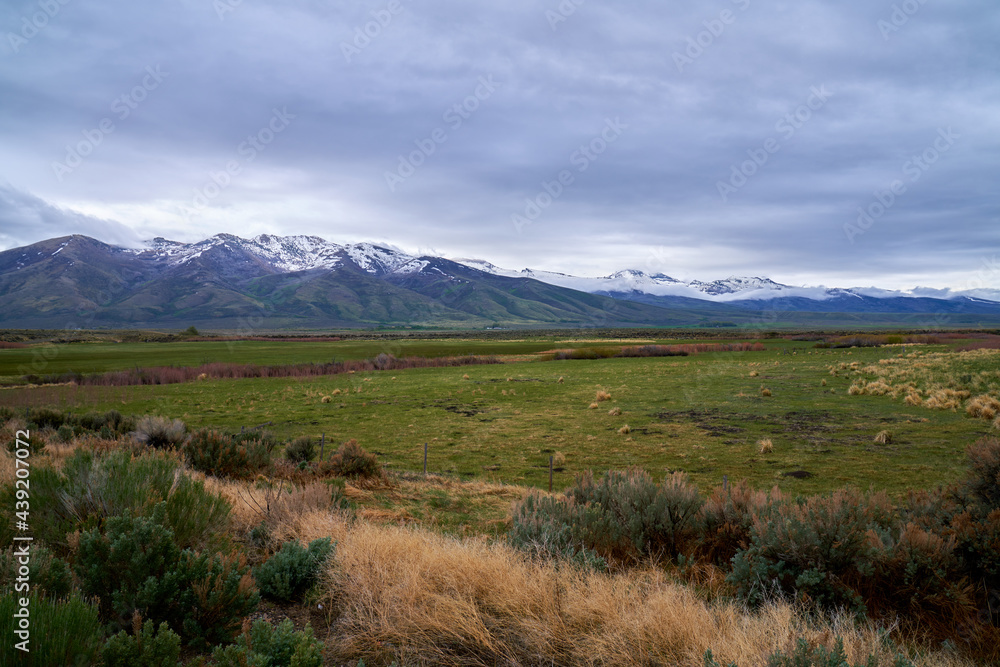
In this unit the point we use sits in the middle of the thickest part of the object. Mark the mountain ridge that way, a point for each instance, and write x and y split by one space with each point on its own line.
309 281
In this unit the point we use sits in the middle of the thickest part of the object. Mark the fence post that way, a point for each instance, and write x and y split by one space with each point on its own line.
550 473
725 482
322 442
425 459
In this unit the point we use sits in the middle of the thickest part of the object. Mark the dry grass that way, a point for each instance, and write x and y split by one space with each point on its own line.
602 396
325 399
625 430
420 598
593 406
983 406
289 511
754 374
883 438
766 446
615 412
764 391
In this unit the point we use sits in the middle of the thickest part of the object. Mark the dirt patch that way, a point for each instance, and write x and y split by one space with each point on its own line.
798 474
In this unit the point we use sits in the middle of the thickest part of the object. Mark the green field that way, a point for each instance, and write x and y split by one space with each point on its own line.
703 414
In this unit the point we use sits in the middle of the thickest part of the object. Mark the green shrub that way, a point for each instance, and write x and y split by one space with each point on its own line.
301 450
822 550
293 570
984 473
726 520
659 519
806 656
49 575
551 527
216 453
65 433
146 647
160 432
135 567
269 440
63 632
351 460
265 645
99 487
47 417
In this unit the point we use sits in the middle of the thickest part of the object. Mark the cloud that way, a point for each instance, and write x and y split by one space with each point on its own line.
369 88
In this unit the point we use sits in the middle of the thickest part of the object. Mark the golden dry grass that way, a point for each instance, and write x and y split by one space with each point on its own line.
615 412
602 396
883 438
766 446
420 598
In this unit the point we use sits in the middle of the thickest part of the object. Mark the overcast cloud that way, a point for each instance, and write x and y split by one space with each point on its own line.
186 118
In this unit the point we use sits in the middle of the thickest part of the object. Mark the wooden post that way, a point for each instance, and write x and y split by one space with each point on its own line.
725 482
322 442
241 429
425 459
550 473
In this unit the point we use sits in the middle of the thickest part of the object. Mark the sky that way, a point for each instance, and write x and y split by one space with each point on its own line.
848 143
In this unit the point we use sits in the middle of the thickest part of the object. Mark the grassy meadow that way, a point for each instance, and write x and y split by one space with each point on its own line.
705 414
427 569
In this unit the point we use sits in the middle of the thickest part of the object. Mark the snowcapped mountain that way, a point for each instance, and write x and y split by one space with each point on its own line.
638 285
307 281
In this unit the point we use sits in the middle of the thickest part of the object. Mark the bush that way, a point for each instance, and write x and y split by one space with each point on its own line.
160 432
552 527
145 647
49 576
216 453
267 438
93 488
63 632
658 519
727 517
351 460
288 574
135 567
983 482
301 450
267 646
805 655
820 550
65 433
46 417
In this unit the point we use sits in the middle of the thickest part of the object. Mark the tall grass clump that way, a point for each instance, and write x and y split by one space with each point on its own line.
160 432
353 461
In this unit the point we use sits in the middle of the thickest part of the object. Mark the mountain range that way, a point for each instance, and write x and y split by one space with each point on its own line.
274 282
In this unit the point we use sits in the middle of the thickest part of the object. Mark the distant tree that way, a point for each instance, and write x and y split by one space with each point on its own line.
191 331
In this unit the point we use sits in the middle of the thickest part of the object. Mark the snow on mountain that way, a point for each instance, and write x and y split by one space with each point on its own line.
302 253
